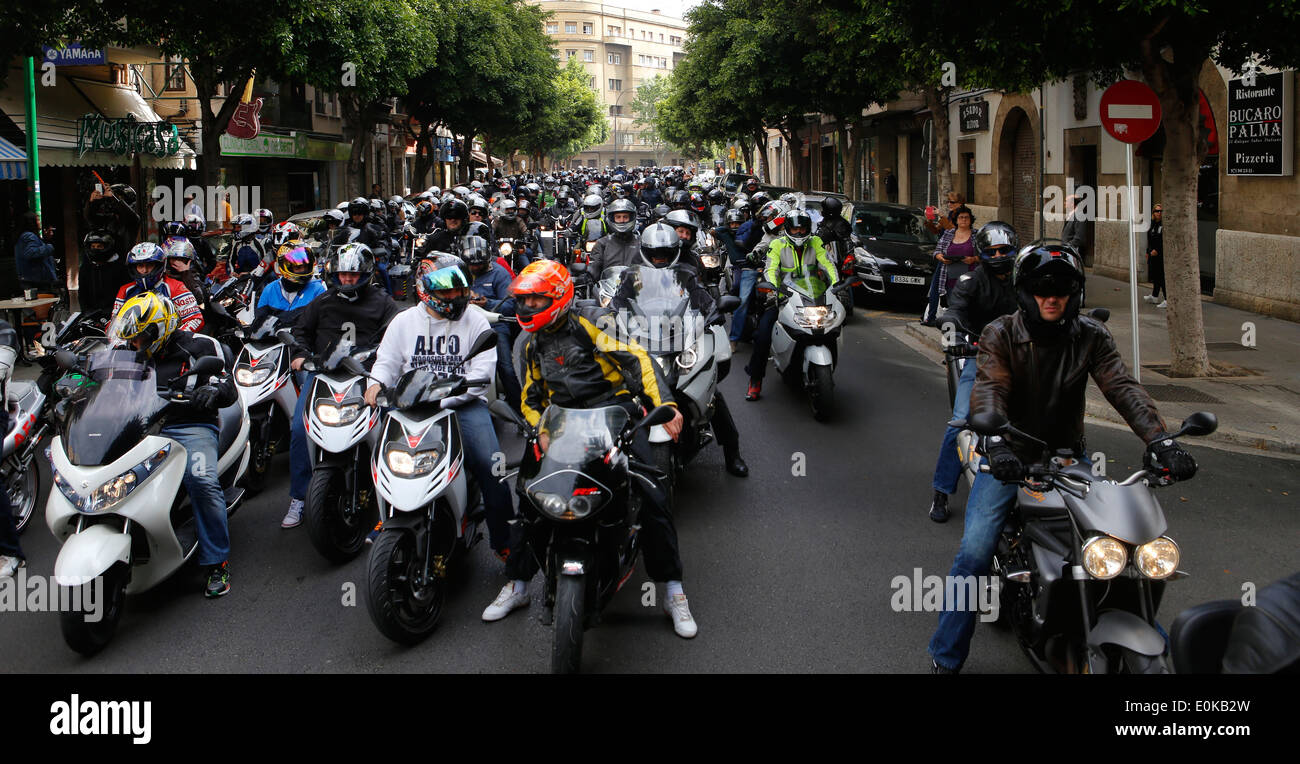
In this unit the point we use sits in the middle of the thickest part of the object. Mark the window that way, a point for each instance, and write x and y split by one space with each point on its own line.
631 32
616 84
663 63
571 54
586 28
615 58
570 27
616 111
661 37
591 83
174 74
552 28
615 31
320 101
587 55
675 40
591 163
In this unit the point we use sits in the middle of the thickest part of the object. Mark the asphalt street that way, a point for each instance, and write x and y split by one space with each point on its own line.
788 570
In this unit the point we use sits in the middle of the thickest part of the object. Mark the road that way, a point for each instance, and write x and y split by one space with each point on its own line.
785 572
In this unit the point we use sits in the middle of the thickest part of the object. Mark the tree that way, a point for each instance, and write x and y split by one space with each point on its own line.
1168 42
570 119
29 25
645 109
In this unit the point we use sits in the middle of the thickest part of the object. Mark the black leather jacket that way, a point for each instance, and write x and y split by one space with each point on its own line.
179 354
978 298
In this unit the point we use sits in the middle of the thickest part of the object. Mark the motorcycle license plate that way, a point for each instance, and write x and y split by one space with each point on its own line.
907 279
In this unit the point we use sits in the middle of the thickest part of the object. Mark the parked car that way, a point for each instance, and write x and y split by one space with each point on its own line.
893 249
734 181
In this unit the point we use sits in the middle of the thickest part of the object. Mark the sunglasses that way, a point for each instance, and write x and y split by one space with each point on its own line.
1052 286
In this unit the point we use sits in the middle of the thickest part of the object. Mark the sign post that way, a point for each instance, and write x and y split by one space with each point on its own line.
1130 113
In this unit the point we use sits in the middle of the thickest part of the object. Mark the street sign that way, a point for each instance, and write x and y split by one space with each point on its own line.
1130 111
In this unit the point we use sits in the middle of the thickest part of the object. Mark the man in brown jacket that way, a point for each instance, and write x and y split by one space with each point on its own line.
1033 369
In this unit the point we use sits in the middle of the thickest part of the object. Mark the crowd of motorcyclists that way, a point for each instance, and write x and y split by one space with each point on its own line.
533 253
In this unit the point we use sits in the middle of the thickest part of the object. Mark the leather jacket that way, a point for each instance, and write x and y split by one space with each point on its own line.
1039 386
978 298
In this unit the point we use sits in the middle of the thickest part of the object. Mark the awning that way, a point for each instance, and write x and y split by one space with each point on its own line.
481 158
13 161
58 108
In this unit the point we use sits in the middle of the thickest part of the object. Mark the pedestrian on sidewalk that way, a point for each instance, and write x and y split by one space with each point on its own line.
891 185
956 255
1156 259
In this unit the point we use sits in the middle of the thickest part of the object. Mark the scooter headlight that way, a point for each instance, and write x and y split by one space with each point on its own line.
248 377
1104 557
114 491
814 316
710 261
333 415
411 463
1158 559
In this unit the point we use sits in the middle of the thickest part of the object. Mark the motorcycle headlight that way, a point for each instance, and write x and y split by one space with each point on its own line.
710 261
412 464
558 507
505 249
813 317
246 377
1157 559
333 415
1104 557
114 491
590 246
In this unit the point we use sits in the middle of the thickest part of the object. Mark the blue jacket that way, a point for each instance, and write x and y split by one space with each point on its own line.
495 286
35 259
274 299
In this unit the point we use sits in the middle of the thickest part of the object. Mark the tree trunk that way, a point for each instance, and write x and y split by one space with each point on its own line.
853 167
936 99
760 142
841 153
467 159
205 82
423 154
1175 86
354 118
747 152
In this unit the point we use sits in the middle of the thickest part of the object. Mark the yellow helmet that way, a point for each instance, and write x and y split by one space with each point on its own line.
294 263
148 315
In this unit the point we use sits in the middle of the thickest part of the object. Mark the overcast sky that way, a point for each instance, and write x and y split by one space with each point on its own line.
676 8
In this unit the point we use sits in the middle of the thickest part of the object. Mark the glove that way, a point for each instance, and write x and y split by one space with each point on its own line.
1168 459
1003 462
205 397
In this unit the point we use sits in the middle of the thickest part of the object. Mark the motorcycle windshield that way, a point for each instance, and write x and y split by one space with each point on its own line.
112 411
423 386
654 309
575 437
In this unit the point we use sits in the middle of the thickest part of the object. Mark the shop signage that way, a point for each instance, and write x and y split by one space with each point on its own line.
1261 125
74 55
974 116
126 135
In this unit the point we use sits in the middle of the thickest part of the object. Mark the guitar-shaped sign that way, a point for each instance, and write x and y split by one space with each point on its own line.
245 122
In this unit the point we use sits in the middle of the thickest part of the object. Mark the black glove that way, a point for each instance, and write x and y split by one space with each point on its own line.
1003 462
1168 459
205 397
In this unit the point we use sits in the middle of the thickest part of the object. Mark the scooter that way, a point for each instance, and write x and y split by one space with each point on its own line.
430 503
267 388
117 503
340 507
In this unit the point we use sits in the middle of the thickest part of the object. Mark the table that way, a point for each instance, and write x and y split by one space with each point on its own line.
15 308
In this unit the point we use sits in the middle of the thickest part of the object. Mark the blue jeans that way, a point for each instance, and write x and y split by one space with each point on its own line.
299 459
506 369
481 449
947 471
932 300
745 278
204 488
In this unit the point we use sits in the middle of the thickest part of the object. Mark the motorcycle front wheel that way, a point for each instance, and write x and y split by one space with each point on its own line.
258 463
570 613
337 528
821 392
87 637
403 602
24 493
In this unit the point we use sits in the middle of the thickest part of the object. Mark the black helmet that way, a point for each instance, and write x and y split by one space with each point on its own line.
832 207
660 246
798 218
478 228
353 257
621 205
716 196
1048 269
477 202
680 200
440 273
995 237
359 206
474 250
758 199
735 216
454 210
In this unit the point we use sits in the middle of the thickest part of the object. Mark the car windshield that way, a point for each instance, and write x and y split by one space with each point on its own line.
110 412
576 436
654 309
891 225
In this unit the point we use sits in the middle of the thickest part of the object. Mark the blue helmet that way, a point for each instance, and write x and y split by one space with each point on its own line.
146 253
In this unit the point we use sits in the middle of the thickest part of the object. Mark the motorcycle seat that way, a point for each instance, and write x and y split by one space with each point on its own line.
1199 636
231 419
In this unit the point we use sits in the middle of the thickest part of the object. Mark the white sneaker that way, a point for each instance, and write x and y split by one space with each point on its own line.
1149 298
293 518
678 610
1163 304
508 599
10 565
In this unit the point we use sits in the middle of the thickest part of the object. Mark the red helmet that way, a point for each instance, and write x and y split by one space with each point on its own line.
549 279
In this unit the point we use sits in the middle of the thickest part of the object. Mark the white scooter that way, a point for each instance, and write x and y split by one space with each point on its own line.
118 504
267 389
430 504
340 504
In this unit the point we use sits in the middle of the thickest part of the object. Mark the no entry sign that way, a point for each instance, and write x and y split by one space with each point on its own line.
1130 111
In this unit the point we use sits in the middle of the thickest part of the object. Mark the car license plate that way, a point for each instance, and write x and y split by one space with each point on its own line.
907 279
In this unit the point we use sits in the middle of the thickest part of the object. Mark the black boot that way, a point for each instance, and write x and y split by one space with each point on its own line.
736 465
939 507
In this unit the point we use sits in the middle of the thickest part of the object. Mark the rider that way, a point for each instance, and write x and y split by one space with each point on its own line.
182 265
592 215
620 247
247 250
788 255
352 305
435 335
147 266
508 224
687 228
491 291
978 298
834 228
1033 370
455 216
597 369
148 322
113 221
294 288
739 238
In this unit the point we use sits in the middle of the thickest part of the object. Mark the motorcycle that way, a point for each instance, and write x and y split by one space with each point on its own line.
267 388
715 273
1082 562
576 475
806 338
429 502
117 504
340 507
513 250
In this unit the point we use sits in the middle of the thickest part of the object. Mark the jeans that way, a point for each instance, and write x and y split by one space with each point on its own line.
299 458
506 369
745 278
947 471
931 315
757 366
481 449
204 488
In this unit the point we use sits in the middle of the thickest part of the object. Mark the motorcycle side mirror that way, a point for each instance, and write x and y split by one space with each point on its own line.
352 366
764 286
484 342
208 365
1101 314
309 365
987 422
728 303
1198 424
660 415
285 336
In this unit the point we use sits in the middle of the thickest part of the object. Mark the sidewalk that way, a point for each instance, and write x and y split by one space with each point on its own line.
1259 409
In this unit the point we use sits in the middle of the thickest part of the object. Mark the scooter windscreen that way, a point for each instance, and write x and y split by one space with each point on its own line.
653 308
423 386
113 410
572 479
